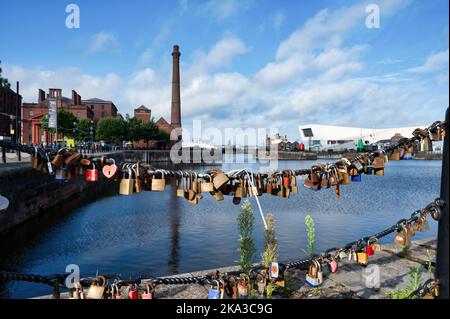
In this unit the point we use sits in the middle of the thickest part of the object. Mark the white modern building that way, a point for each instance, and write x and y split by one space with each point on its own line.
337 138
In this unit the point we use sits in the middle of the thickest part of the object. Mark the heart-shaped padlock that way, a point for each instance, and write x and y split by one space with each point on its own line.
110 170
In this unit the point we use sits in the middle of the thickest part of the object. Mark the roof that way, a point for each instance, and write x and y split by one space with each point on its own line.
142 108
95 100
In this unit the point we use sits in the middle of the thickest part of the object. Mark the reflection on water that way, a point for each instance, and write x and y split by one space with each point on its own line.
155 234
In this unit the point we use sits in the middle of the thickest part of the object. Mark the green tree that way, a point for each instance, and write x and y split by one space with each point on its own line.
84 128
3 81
270 253
65 124
111 130
247 246
134 129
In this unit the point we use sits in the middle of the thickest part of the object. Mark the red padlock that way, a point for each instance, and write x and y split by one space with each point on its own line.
369 249
133 293
92 174
286 179
149 293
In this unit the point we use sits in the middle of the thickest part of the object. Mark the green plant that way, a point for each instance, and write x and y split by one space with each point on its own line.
270 253
310 230
270 288
430 268
414 284
3 81
247 246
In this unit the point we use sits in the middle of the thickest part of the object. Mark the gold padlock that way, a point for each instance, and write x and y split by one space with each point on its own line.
207 186
96 291
159 184
137 180
126 184
220 179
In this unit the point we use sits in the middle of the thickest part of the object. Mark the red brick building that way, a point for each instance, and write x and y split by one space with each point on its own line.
142 113
101 108
32 114
9 102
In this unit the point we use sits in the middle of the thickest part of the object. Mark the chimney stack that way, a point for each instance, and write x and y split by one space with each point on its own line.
74 98
41 96
176 99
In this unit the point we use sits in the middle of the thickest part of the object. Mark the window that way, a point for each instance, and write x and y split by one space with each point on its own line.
30 113
103 106
30 138
103 114
78 115
30 126
92 107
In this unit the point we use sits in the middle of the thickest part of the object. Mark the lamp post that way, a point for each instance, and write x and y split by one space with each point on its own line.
91 132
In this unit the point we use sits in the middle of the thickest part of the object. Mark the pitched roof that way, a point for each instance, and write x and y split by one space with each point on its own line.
142 108
96 100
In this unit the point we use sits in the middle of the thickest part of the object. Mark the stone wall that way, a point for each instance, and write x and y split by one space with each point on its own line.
31 193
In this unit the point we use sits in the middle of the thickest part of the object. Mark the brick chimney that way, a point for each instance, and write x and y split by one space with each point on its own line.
74 98
41 96
176 100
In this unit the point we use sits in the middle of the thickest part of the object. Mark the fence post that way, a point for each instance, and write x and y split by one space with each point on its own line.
442 244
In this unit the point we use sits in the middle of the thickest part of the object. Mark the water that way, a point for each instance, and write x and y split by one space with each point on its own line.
157 234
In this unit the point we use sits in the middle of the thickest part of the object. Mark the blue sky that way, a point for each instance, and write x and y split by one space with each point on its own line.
245 63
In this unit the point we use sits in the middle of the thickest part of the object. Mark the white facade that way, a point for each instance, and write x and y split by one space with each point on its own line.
341 137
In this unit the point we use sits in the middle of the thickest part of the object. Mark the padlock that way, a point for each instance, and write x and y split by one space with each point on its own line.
373 242
293 182
274 270
395 155
352 256
286 179
58 160
356 178
61 174
78 291
132 292
345 178
96 290
214 290
181 189
92 174
261 283
425 145
149 292
342 254
34 159
325 179
242 286
369 249
110 171
231 287
207 186
126 184
312 181
240 190
362 258
401 237
435 132
115 292
137 178
220 179
159 184
236 200
333 265
314 277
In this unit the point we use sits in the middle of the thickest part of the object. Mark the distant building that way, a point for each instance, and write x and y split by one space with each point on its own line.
339 138
32 114
9 102
101 108
143 114
164 125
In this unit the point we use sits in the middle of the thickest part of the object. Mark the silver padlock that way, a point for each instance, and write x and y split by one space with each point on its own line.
61 174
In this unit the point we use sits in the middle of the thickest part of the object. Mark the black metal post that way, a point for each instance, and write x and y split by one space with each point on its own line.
443 235
18 121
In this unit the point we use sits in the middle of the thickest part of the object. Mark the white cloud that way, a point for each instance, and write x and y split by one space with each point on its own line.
434 62
103 41
146 56
222 9
221 54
